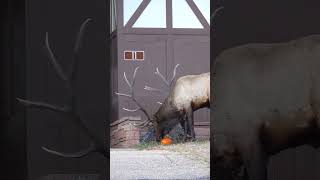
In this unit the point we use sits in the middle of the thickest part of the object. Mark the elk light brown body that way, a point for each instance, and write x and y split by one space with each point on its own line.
191 90
189 93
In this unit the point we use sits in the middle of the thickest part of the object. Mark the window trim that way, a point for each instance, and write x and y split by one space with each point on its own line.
135 56
132 53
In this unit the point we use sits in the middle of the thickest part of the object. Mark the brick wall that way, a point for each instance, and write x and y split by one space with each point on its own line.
123 133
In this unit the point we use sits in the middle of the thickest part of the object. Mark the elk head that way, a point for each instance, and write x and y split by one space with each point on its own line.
166 118
157 121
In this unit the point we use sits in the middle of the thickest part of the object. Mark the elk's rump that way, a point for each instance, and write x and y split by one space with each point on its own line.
192 88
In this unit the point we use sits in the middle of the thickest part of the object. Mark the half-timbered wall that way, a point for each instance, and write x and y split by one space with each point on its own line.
165 41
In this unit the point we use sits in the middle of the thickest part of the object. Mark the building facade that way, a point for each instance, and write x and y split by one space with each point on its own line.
158 34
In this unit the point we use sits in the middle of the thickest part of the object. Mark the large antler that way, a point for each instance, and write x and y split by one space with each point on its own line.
148 121
69 109
166 81
215 12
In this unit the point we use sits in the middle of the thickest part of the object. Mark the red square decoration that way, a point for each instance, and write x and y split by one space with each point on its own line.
128 55
139 55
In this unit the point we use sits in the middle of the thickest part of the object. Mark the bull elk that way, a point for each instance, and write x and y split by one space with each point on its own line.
266 99
188 94
69 110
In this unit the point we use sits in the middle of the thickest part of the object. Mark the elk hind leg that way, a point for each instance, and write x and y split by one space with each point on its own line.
183 125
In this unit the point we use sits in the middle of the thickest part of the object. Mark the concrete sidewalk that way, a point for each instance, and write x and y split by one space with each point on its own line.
155 164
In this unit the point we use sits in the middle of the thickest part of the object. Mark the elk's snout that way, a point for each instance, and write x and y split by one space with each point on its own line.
159 134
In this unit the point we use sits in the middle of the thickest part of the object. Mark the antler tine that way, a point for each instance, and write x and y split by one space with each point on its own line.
54 61
174 73
92 148
121 94
142 124
134 76
215 13
42 105
77 47
127 81
79 154
161 76
80 34
131 110
168 83
140 107
148 88
147 124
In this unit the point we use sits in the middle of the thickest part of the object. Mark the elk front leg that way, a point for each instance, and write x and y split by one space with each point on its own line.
191 123
182 123
185 127
256 161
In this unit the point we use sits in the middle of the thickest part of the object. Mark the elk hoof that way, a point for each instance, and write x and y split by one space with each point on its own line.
190 138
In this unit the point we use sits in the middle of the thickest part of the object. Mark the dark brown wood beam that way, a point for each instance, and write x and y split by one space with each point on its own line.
137 13
169 13
199 15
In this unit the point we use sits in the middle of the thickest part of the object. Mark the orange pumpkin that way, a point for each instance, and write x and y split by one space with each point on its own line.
166 141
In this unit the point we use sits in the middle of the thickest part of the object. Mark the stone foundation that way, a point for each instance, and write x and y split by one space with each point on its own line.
124 134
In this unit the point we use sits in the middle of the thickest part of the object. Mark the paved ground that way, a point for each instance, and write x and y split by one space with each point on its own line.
155 164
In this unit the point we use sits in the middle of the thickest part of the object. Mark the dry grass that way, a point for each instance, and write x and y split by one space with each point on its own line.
198 150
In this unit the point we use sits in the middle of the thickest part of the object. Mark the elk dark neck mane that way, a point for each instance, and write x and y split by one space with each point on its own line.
189 93
167 111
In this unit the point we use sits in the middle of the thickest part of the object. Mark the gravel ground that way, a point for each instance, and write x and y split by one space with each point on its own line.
178 161
198 150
